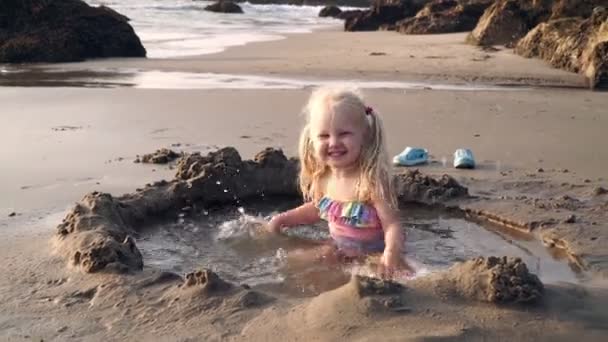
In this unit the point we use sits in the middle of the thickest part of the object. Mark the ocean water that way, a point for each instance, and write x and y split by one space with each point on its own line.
180 28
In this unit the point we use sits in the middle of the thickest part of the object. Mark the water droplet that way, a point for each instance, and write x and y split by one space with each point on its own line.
281 254
241 210
218 182
225 190
205 212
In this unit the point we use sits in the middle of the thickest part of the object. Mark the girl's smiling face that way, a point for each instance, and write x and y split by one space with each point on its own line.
337 138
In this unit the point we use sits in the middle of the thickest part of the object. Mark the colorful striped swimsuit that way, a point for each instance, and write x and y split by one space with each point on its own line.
354 226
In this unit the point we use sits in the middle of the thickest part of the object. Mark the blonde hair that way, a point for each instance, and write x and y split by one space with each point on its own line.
374 181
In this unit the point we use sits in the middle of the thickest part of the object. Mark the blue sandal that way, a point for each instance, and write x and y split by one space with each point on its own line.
411 156
463 159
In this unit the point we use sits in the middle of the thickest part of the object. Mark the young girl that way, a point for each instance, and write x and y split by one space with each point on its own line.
345 179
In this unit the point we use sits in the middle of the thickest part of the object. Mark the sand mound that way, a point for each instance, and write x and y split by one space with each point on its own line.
204 289
494 280
162 156
413 186
330 315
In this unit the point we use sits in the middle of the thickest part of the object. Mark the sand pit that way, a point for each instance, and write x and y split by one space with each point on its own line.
96 234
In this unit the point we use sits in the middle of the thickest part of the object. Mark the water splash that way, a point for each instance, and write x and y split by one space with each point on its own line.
245 226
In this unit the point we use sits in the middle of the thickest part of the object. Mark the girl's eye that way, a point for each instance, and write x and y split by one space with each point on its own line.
344 134
323 136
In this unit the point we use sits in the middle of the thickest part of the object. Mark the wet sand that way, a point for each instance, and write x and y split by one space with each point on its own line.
382 55
60 143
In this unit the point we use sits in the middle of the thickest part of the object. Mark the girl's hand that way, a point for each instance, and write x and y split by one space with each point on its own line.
392 265
274 225
389 263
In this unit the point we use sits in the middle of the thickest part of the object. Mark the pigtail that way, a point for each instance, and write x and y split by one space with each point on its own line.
309 167
375 180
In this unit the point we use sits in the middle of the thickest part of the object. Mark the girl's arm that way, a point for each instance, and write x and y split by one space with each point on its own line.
394 240
307 213
393 235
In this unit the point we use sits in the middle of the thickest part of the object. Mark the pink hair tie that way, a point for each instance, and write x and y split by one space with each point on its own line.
369 110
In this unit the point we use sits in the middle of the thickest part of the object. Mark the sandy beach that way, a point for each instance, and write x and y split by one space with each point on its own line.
538 140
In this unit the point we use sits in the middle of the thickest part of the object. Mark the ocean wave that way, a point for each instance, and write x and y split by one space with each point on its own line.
179 28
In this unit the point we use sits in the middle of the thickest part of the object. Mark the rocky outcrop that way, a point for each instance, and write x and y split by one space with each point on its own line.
575 8
224 7
507 21
63 31
330 11
445 16
502 23
574 44
382 14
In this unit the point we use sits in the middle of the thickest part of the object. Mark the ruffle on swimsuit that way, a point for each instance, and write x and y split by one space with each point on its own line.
353 213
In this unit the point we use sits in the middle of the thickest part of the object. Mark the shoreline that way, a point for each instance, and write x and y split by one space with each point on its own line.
383 56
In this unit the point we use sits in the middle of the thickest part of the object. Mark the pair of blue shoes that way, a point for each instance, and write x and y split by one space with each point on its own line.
412 156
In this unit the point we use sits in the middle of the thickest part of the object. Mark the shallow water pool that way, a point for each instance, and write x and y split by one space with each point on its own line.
232 242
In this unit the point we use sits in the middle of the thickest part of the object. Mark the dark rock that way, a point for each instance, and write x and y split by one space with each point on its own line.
382 13
345 15
507 21
574 44
63 31
113 13
224 7
330 11
445 16
575 8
